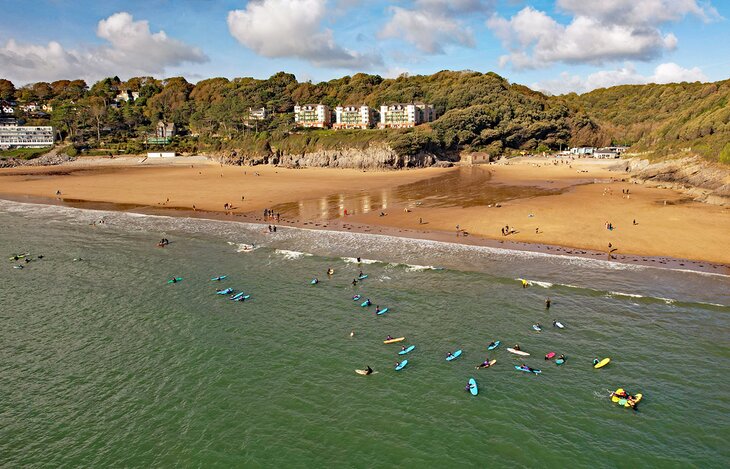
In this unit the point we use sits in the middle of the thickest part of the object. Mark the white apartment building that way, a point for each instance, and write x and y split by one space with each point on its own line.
312 115
353 117
400 115
14 136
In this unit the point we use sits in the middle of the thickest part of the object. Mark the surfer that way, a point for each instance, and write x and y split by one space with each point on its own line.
315 281
330 271
388 337
368 370
368 302
352 333
449 355
359 260
377 309
596 361
561 357
517 347
484 364
173 280
524 283
547 356
354 282
491 344
526 368
547 303
360 275
555 323
403 348
539 326
468 387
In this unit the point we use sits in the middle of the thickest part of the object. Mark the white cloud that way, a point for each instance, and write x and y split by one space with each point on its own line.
292 28
133 50
432 24
600 31
664 73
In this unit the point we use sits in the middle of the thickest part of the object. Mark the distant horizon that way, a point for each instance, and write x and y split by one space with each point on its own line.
552 46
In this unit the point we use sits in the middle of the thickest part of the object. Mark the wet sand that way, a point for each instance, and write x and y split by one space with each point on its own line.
567 206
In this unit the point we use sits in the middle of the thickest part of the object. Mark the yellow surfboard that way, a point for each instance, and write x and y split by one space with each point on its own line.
602 363
392 341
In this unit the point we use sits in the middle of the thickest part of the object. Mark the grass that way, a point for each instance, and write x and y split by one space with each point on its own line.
23 153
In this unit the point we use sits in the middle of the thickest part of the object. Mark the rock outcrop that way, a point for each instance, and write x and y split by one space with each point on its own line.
699 179
372 157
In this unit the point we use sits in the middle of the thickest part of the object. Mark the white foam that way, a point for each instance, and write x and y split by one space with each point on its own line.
243 247
353 260
291 255
536 282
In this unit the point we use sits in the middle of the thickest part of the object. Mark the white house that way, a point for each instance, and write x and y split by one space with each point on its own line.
258 114
127 96
401 115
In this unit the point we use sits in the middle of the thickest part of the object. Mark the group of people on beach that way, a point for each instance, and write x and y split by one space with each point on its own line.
271 215
507 231
163 242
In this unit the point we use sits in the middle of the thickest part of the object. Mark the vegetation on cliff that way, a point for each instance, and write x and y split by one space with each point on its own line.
475 111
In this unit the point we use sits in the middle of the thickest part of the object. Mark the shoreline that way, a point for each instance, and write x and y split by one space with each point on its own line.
342 226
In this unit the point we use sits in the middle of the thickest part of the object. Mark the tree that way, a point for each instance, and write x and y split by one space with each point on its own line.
7 89
97 111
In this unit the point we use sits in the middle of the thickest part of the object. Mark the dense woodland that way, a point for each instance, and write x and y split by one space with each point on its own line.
476 112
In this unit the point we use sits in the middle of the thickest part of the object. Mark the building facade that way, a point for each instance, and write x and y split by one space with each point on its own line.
353 117
127 96
259 114
312 115
27 136
399 116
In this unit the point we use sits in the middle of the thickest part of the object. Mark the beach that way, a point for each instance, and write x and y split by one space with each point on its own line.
552 207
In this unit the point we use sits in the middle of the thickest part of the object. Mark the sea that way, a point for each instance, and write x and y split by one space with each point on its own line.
103 363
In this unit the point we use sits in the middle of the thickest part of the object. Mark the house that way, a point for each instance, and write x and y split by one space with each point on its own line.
259 114
6 107
312 115
582 151
353 117
8 121
165 130
426 112
605 153
27 136
30 107
127 96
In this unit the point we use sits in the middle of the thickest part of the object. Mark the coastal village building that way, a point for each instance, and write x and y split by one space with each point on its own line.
166 130
399 116
27 136
582 151
258 114
6 108
30 107
127 96
312 115
353 117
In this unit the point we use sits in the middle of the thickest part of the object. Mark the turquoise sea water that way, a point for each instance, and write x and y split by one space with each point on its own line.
102 363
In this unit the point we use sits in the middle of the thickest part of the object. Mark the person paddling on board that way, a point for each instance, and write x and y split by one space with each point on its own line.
596 361
484 364
315 281
517 347
174 280
330 271
377 309
526 368
539 326
368 302
468 387
561 357
368 370
555 323
449 355
361 274
388 337
491 344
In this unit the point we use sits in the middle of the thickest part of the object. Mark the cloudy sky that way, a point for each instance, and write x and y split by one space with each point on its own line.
551 45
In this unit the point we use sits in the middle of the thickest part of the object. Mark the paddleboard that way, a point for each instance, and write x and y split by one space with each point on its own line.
491 363
219 278
537 372
496 344
473 389
559 325
244 297
392 341
454 356
602 363
362 277
549 355
401 365
365 303
559 361
637 398
518 352
410 348
179 279
224 292
383 311
536 327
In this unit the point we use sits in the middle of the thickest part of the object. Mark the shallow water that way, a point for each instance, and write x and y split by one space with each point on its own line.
465 186
105 364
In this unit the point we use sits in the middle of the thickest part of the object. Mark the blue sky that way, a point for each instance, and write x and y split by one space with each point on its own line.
552 45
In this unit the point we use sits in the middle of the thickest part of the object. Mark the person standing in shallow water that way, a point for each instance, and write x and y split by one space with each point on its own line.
547 303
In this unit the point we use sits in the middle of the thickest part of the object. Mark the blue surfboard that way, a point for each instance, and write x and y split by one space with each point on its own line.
365 303
537 372
401 365
237 295
473 389
219 278
409 349
383 311
496 344
454 355
362 277
224 292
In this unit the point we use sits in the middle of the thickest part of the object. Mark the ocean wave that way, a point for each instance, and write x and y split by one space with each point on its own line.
243 247
291 255
353 260
536 282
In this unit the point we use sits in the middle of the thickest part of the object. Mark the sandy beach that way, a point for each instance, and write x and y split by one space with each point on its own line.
557 208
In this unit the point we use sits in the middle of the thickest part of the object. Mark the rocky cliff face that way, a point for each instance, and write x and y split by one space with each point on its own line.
701 180
372 157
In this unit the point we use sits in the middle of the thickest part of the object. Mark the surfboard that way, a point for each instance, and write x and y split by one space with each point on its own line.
383 311
363 372
219 278
242 298
536 327
362 277
409 349
559 361
491 363
537 372
401 365
392 341
559 325
224 291
602 363
356 297
473 388
177 279
365 303
518 352
549 355
454 356
314 281
496 344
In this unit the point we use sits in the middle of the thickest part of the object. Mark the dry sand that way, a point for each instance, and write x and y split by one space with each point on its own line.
668 224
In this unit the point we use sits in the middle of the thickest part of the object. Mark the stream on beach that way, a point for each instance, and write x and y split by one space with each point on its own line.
106 364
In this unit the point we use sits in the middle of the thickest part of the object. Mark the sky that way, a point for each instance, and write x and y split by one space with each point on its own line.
555 46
